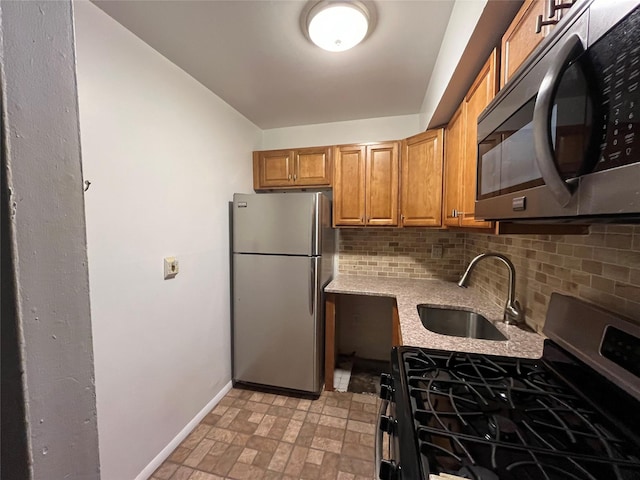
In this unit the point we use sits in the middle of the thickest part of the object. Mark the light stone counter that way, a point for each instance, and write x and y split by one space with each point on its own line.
409 293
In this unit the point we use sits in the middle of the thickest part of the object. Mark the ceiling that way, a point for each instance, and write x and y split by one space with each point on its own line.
254 55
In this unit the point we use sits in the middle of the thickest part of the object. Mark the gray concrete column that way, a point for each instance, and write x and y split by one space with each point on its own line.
53 354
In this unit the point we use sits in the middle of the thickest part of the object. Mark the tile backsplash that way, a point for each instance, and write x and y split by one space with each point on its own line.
400 252
602 267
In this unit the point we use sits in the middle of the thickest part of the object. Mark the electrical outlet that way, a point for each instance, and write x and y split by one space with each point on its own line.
171 267
436 251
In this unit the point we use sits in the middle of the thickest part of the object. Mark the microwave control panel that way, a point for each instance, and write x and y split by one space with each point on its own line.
616 62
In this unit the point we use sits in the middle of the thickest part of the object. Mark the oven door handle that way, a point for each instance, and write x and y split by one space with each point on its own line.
378 449
542 111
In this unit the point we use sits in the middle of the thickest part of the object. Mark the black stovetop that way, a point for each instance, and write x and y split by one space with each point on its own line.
499 418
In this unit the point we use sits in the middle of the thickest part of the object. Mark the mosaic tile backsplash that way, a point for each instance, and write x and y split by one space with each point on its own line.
400 253
602 267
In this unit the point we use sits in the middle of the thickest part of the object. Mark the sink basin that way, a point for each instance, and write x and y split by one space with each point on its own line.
458 323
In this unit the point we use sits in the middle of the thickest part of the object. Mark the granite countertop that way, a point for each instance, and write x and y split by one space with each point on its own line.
409 293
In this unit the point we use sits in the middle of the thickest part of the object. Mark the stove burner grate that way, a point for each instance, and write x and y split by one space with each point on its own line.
454 453
510 416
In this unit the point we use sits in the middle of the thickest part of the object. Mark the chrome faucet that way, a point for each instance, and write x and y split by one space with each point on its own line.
512 310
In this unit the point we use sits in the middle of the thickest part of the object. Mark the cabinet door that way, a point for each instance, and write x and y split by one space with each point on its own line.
382 184
482 91
349 185
421 191
312 167
521 38
453 157
272 169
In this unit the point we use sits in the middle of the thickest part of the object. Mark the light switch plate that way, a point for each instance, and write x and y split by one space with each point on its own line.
171 267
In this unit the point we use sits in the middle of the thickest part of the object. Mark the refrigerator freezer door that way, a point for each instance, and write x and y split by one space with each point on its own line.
277 223
277 327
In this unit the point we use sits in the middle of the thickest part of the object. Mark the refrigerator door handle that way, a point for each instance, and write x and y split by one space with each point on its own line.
312 287
315 218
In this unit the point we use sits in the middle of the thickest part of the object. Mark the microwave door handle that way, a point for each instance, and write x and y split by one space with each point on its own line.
541 118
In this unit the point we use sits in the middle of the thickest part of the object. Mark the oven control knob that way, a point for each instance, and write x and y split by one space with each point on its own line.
388 470
386 387
386 392
387 424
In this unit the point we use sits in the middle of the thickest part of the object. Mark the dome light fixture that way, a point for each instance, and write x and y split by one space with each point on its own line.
337 26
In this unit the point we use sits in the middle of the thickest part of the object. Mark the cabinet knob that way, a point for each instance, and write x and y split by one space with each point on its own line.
295 177
289 177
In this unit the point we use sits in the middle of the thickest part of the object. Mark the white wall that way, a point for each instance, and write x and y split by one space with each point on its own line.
336 133
164 156
464 18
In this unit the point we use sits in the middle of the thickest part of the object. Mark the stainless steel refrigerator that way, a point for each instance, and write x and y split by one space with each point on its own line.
283 252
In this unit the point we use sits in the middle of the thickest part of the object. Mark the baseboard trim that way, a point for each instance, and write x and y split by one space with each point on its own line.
173 444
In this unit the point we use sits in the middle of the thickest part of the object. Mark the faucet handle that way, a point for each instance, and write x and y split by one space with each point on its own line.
513 313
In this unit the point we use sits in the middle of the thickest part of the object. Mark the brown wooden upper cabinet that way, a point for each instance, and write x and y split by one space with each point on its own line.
365 187
285 169
461 138
530 26
421 170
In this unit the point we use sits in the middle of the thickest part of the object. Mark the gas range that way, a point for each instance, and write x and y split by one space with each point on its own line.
573 414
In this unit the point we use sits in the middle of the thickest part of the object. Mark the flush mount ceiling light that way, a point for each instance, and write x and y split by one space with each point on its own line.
337 26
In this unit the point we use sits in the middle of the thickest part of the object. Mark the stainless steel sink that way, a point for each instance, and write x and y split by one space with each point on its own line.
458 323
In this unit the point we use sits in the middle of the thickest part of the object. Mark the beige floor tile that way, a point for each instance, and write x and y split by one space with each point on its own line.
361 427
326 444
179 454
198 453
243 471
310 471
315 456
182 473
332 421
197 475
166 470
265 425
296 461
258 435
248 455
280 457
292 431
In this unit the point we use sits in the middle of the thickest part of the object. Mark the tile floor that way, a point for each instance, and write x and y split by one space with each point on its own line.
253 435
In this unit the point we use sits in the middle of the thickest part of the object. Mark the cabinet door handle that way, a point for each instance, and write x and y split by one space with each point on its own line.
295 177
552 7
289 177
541 23
458 214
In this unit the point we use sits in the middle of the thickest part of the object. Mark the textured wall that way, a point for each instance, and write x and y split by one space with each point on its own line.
602 268
42 160
400 252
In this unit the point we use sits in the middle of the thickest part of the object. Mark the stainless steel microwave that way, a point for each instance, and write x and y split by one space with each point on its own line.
562 140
